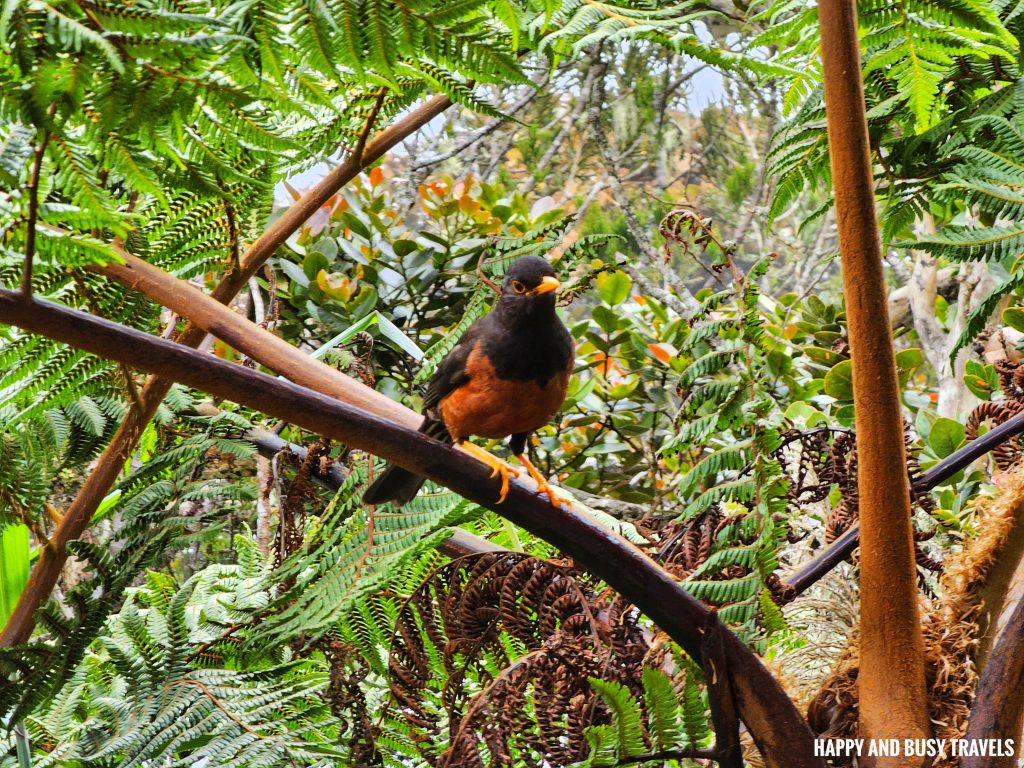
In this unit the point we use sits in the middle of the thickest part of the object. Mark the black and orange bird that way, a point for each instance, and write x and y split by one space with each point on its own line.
507 376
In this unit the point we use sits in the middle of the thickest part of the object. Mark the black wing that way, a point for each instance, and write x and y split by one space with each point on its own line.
451 371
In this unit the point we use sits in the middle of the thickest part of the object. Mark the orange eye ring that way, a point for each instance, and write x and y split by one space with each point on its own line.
518 287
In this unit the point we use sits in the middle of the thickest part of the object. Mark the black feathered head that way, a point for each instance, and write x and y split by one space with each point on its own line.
528 291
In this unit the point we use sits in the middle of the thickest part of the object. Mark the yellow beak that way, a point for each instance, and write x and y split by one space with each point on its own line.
547 285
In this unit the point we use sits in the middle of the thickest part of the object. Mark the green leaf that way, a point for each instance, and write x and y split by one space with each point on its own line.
662 709
1014 317
839 381
14 558
822 356
981 380
394 333
945 437
909 359
403 248
613 287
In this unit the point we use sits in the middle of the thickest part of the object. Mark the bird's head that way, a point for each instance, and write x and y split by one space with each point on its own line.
529 289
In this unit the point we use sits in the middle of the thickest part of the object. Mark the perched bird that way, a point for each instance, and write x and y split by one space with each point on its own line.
507 375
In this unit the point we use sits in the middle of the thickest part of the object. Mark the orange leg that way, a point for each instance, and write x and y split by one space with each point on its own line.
498 467
555 496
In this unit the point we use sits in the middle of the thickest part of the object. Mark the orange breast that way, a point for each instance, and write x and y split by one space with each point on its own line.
491 407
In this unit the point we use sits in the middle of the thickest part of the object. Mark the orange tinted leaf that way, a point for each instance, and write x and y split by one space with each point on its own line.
664 352
641 300
376 176
340 207
341 290
468 205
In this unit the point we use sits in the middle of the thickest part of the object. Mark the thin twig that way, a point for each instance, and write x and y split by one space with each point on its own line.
684 302
357 152
483 132
33 215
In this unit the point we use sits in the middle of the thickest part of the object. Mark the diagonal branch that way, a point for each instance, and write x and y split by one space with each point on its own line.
778 729
840 549
257 343
269 445
108 467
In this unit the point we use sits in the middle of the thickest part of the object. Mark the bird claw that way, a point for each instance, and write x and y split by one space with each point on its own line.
498 467
556 496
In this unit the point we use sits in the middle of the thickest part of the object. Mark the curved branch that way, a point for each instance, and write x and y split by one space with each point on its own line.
460 544
108 467
777 728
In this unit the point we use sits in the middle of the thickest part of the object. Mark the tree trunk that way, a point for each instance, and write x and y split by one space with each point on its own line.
893 703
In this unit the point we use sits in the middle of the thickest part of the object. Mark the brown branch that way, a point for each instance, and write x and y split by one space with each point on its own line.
209 316
460 544
776 726
998 709
310 202
723 708
371 119
33 216
44 575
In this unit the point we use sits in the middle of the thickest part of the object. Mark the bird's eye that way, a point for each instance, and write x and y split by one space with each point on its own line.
518 287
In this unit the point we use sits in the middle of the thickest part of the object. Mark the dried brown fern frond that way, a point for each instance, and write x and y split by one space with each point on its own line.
491 660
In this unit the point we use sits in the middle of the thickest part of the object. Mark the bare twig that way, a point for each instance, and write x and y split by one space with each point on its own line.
684 302
33 215
473 137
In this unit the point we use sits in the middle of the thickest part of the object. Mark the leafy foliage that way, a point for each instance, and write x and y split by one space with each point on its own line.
150 688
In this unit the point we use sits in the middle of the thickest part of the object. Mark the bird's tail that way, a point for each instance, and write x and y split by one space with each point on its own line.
396 485
400 486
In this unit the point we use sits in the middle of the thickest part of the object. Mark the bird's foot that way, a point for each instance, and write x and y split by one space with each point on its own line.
498 467
556 495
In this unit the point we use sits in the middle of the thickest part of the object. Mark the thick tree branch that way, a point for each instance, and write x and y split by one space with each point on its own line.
108 467
257 343
998 710
891 684
776 726
718 677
